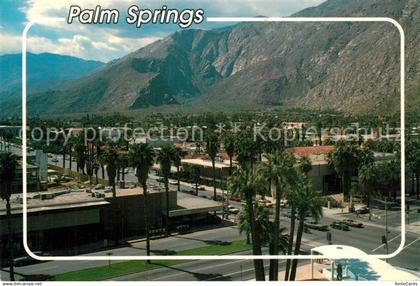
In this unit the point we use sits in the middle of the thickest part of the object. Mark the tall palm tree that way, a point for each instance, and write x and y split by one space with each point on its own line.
164 158
8 165
212 147
178 154
109 158
246 183
229 145
140 157
279 168
195 173
304 167
308 202
262 222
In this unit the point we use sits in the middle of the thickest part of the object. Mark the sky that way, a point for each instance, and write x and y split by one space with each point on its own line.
110 41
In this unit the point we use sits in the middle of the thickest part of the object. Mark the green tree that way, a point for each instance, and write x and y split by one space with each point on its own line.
281 172
140 157
308 202
229 146
8 165
110 158
164 158
304 167
346 159
212 147
248 184
178 154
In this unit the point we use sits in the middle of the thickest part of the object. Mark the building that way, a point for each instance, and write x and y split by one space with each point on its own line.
73 221
322 176
206 168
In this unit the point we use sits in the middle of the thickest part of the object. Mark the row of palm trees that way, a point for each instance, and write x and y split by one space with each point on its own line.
279 171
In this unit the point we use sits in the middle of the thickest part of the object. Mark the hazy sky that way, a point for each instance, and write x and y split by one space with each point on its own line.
106 42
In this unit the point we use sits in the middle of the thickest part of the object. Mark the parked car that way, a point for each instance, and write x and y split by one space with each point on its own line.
363 210
235 198
353 223
201 188
173 182
339 225
99 187
317 226
233 210
54 160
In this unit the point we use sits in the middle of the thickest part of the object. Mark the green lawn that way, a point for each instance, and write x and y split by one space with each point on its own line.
128 267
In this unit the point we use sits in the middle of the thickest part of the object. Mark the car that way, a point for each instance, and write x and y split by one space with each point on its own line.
201 188
108 189
363 210
339 225
173 182
353 223
54 160
233 210
99 187
160 179
235 198
317 226
49 155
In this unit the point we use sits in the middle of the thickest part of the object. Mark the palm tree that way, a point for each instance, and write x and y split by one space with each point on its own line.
262 222
109 158
308 202
195 174
304 167
8 165
79 149
164 158
279 168
212 148
140 156
178 154
229 145
346 158
246 148
246 183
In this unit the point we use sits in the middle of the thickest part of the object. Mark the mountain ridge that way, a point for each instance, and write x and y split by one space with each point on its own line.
351 67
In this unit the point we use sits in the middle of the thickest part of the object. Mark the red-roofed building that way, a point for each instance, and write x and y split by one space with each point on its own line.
322 176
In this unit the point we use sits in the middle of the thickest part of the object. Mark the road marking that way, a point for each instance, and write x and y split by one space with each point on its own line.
195 270
414 241
238 272
384 243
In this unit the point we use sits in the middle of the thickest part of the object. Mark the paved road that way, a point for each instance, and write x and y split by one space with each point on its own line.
367 239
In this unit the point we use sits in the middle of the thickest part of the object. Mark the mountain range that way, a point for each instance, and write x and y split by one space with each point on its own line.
351 67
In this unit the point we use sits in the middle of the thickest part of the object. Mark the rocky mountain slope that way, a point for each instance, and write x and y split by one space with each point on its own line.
353 67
